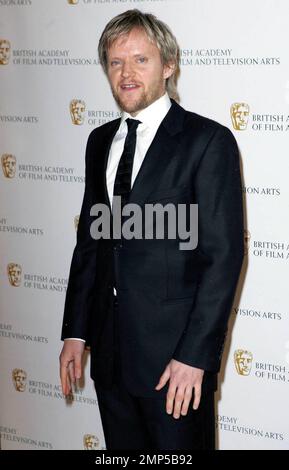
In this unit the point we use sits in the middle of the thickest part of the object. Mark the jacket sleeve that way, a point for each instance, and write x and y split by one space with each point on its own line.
81 281
218 193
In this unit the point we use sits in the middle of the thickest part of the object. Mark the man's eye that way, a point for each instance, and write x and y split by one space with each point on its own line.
142 60
114 62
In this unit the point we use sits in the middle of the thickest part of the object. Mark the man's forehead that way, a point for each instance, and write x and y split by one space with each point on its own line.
136 35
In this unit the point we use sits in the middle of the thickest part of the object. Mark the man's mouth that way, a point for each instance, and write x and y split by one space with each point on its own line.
129 86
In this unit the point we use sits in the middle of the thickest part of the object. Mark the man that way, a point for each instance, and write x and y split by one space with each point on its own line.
155 316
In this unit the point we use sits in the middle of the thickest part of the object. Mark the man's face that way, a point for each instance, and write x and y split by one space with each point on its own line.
135 71
4 52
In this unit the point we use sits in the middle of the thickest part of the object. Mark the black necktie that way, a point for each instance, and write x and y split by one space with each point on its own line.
122 183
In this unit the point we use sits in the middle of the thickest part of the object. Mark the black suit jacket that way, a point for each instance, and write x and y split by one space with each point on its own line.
172 303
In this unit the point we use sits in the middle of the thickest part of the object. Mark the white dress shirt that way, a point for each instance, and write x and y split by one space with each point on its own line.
150 118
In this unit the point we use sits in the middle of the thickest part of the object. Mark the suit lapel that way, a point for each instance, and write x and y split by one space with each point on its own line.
157 158
106 144
159 154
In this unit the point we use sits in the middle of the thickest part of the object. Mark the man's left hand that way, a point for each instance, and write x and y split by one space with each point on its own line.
183 379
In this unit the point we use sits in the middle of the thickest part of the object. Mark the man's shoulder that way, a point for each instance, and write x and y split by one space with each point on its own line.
199 125
203 124
205 130
104 129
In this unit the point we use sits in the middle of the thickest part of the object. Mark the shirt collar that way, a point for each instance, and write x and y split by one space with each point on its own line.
152 115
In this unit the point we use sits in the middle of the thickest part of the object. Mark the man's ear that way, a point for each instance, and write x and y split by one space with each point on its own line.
168 70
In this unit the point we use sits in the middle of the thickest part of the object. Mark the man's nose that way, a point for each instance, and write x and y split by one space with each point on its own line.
127 69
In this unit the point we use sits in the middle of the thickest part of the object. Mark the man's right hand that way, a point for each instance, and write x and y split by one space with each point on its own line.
70 363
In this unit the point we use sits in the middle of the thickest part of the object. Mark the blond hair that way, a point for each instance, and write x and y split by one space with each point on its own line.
157 31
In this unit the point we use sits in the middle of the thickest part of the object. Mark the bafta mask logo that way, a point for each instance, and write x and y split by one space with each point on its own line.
76 222
243 361
247 237
14 274
240 116
19 377
77 110
5 49
73 2
90 442
8 165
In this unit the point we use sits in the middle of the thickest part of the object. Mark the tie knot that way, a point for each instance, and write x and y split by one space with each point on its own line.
132 124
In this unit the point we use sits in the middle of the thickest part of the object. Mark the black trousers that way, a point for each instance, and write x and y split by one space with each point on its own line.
134 423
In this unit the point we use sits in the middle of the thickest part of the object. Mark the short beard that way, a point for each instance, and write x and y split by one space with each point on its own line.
137 106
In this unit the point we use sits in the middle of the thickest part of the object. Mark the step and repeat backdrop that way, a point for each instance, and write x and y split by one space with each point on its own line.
234 69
